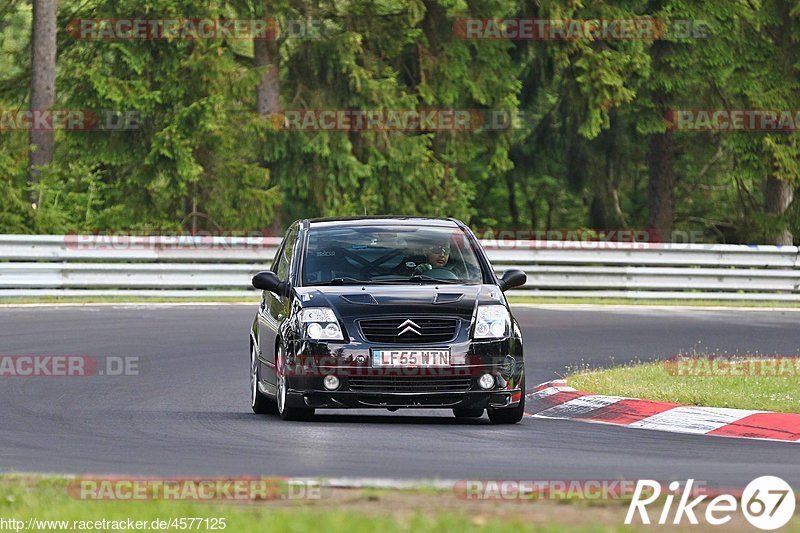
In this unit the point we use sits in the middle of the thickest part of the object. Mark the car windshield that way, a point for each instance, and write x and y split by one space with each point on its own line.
389 254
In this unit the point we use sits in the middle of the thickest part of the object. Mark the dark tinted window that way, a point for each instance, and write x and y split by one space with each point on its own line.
391 254
284 261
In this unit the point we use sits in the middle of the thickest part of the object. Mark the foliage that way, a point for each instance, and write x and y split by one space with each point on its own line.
200 157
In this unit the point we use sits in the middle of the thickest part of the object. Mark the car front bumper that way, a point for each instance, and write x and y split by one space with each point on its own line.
363 386
421 400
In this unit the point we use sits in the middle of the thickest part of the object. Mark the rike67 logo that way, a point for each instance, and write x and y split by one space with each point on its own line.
767 502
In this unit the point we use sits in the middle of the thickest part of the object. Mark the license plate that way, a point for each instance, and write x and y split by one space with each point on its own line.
410 358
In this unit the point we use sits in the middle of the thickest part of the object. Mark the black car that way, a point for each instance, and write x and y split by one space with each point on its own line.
385 312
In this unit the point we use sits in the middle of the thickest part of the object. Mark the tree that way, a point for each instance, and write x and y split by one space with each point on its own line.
592 148
43 85
661 155
767 79
267 59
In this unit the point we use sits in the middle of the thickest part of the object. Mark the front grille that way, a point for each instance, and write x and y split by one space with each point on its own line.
410 384
409 331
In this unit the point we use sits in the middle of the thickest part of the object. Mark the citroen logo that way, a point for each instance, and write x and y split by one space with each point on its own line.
409 327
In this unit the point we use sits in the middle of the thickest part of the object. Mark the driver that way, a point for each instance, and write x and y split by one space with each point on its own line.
436 256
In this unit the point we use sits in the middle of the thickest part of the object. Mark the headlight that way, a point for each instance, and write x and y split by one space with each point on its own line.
494 322
320 323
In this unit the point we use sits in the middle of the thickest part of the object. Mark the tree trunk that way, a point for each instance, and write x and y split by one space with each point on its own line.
661 163
512 200
605 212
777 196
268 96
43 85
268 92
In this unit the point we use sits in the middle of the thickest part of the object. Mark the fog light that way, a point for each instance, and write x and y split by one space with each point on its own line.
486 381
331 382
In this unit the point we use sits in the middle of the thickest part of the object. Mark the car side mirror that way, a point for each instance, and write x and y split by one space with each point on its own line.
269 281
512 278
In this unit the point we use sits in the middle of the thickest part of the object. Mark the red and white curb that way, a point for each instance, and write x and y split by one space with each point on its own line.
555 399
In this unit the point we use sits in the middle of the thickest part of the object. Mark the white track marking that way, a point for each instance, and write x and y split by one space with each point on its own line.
544 393
579 406
690 419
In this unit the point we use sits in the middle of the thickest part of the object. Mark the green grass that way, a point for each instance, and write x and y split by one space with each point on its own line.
348 510
662 382
46 498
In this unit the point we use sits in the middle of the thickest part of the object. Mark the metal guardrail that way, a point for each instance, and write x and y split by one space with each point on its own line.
60 265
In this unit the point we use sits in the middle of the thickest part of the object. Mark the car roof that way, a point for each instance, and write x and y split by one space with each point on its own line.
383 221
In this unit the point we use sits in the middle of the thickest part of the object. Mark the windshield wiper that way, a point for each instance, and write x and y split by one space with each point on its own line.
342 281
418 278
430 279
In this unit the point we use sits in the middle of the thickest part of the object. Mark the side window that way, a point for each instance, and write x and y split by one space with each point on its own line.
278 256
285 259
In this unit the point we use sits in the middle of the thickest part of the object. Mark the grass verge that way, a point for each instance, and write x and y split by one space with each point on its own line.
771 384
347 510
41 498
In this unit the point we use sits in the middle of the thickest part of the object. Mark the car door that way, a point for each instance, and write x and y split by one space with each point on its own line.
274 308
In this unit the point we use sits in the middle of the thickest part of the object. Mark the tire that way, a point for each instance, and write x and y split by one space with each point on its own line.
284 411
509 415
462 412
261 405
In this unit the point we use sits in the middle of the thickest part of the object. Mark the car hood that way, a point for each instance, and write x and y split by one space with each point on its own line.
361 300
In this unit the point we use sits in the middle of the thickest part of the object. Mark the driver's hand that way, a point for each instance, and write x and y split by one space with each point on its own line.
424 267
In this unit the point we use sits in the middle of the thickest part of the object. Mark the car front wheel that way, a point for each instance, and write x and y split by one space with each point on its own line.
285 411
260 404
509 415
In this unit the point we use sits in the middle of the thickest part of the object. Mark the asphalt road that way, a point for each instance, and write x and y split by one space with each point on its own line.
187 411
